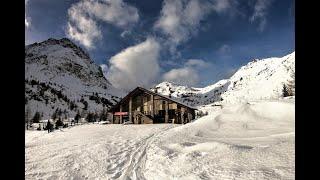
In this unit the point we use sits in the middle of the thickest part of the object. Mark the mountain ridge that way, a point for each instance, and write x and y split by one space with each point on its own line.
258 79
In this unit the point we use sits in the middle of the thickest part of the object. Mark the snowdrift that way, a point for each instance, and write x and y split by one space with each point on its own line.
247 120
247 141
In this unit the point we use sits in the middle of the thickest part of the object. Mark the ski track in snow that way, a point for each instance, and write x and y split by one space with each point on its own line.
246 141
116 152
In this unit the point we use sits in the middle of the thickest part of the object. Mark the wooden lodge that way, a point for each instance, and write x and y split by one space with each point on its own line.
142 106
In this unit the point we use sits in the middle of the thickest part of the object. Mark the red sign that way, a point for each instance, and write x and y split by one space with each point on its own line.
120 113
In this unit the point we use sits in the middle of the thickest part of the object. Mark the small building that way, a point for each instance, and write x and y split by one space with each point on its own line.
142 106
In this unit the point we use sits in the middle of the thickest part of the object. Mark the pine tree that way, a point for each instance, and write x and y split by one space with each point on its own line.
59 123
285 91
85 103
36 117
77 117
65 114
90 117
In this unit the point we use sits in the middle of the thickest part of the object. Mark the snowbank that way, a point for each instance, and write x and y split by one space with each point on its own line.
247 141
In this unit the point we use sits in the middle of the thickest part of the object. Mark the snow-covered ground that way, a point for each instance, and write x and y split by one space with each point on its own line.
252 140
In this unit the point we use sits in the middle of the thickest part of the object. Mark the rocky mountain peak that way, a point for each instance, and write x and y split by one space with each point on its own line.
59 74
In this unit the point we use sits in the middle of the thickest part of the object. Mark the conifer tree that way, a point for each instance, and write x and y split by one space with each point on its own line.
65 114
285 91
36 117
77 117
89 117
59 123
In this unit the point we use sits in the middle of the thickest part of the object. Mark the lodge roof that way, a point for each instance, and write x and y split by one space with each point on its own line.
150 92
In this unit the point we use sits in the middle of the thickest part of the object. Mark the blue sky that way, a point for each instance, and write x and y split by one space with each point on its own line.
193 42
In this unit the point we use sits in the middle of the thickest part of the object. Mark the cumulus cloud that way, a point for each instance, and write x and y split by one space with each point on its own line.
82 28
180 19
135 66
188 74
27 20
112 11
184 76
260 13
196 63
84 15
104 69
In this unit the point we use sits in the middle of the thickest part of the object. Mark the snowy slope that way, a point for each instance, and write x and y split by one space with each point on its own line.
259 79
262 79
58 74
243 141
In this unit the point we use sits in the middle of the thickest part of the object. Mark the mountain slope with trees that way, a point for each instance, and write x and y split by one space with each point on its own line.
61 77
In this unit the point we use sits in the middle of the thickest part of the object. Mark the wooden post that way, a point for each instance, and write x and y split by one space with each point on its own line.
142 108
120 121
130 109
181 115
112 118
152 106
166 117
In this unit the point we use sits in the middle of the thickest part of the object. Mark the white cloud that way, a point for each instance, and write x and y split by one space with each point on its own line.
112 11
221 5
82 28
196 63
260 13
104 69
184 76
27 20
84 16
135 66
180 19
188 74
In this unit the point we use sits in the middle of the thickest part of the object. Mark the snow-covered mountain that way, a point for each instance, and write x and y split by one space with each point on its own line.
59 74
259 79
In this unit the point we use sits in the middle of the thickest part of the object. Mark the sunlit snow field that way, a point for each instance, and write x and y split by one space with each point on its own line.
252 140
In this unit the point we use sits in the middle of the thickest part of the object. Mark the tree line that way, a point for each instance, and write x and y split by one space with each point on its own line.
59 118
